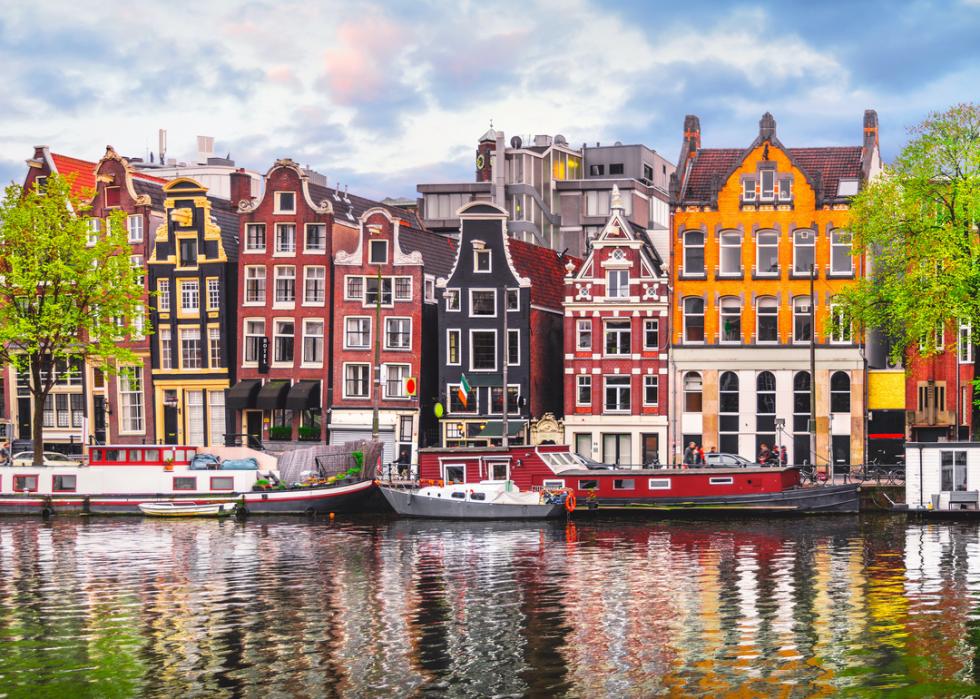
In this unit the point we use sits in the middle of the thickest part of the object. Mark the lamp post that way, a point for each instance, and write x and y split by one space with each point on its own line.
377 360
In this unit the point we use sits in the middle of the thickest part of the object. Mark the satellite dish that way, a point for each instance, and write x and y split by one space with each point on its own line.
561 140
516 142
618 143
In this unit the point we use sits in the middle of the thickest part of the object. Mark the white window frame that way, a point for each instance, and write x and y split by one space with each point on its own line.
836 246
392 348
759 271
581 380
721 480
430 289
245 338
510 332
748 189
685 315
305 362
656 381
323 286
124 389
836 325
163 295
264 277
248 237
966 328
394 289
496 348
277 274
787 193
658 484
134 233
605 336
797 246
622 289
347 287
483 291
370 330
386 368
274 361
722 314
656 323
370 250
687 247
482 254
512 294
348 396
278 208
723 246
805 300
629 394
583 326
306 238
770 174
449 294
94 228
758 316
289 249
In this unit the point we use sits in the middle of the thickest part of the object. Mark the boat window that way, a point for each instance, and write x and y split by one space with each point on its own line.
96 455
478 496
112 455
152 454
458 496
456 473
624 484
185 483
25 484
177 455
136 455
222 483
560 483
64 483
659 484
589 484
721 480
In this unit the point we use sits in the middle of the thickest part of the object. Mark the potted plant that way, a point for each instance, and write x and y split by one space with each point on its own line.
281 433
308 433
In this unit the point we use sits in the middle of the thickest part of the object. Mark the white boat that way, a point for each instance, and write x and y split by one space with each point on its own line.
483 500
187 509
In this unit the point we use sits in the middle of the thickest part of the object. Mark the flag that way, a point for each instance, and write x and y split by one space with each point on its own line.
463 390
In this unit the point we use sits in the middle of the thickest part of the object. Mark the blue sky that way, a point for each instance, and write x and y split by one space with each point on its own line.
381 96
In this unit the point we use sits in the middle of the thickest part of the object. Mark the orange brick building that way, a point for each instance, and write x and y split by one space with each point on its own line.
749 224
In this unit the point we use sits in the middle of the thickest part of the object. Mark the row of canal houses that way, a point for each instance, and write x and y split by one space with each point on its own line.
293 312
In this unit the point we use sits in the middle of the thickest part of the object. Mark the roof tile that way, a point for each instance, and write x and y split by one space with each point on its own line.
546 270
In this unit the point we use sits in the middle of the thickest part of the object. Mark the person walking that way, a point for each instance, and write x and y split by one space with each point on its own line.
764 454
4 454
700 460
690 455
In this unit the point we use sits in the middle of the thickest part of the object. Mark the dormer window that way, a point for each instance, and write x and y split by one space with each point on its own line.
285 203
785 188
767 179
847 187
378 252
481 260
111 197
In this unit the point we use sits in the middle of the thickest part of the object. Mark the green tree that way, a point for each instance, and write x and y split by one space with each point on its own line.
65 298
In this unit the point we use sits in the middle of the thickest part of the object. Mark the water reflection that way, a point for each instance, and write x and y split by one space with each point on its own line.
378 607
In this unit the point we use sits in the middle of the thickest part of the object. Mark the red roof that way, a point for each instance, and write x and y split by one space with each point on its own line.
83 183
545 269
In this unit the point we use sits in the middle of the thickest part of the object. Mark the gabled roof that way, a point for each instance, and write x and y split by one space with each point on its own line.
83 183
546 270
345 203
438 252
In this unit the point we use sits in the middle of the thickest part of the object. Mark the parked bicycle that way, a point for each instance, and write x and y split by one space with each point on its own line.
879 473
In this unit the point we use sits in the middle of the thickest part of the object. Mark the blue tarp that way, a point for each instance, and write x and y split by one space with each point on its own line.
248 464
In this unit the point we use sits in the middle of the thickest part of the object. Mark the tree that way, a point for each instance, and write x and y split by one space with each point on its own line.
917 224
67 295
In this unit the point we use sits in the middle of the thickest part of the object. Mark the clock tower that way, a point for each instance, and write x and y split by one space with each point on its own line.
484 155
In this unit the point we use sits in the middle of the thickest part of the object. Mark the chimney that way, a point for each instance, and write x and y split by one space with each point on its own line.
692 133
767 127
498 172
162 135
205 148
241 186
870 130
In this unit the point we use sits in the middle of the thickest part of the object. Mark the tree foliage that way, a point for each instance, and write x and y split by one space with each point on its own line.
65 296
917 224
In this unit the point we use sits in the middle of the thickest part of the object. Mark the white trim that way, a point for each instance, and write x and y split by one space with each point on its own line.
721 480
306 271
482 315
265 239
370 245
578 381
246 336
385 344
306 238
658 484
496 353
343 378
511 331
323 344
459 346
366 346
277 201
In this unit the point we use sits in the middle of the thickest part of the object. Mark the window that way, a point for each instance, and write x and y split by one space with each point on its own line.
803 259
111 196
25 484
840 329
254 237
841 261
765 408
255 285
403 288
64 483
131 399
615 168
513 347
597 170
452 299
214 348
965 346
588 484
767 184
651 390
617 398
430 290
357 333
166 348
483 302
190 296
378 252
371 295
481 260
312 341
618 284
453 338
651 334
190 348
483 350
134 228
748 189
254 335
395 375
583 334
513 297
953 470
188 252
214 294
728 413
285 284
285 203
94 227
648 173
456 405
315 285
185 483
840 392
802 322
693 319
731 319
624 484
285 237
398 333
163 295
730 260
767 254
801 413
767 320
659 484
694 252
354 289
222 483
617 337
356 380
583 390
721 480
597 202
316 238
785 188
692 392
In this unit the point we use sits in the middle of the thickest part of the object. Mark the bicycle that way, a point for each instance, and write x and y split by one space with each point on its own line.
873 471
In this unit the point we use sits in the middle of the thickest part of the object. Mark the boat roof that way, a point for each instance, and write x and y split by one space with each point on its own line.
660 472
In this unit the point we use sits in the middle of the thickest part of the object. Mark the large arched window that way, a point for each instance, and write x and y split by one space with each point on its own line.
692 392
728 413
767 253
803 251
694 319
730 255
730 311
840 392
801 417
765 409
767 320
694 252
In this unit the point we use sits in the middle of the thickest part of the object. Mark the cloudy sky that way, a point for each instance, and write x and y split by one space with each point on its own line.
382 96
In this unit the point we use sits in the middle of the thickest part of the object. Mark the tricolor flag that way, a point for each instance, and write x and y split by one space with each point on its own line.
463 390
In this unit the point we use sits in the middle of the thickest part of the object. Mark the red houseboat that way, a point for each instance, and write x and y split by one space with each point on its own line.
754 489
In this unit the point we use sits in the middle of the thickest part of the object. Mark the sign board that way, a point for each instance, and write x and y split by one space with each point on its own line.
411 386
263 355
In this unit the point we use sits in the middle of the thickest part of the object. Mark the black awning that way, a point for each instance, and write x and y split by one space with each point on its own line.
303 395
242 394
272 395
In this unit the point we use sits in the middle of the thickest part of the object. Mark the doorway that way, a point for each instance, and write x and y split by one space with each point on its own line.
23 418
170 416
253 429
616 449
98 419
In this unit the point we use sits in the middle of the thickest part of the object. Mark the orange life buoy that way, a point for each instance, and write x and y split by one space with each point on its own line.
570 502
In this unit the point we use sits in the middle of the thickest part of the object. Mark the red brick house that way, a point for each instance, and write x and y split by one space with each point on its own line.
616 344
939 388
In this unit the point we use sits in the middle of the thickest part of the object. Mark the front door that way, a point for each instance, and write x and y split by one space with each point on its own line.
23 418
170 424
253 428
98 419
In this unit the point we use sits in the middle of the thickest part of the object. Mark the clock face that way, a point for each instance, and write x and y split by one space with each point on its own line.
479 161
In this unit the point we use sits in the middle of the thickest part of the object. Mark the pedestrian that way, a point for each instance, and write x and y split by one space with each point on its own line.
690 455
700 456
712 450
764 454
783 460
4 454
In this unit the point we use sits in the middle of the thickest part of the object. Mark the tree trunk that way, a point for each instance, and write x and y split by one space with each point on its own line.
37 423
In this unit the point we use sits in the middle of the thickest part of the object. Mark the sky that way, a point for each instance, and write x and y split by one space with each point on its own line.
383 96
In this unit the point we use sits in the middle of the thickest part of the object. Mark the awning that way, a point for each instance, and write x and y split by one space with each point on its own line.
242 394
303 395
485 379
272 395
495 428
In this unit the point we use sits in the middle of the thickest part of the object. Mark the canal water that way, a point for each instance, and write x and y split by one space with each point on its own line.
393 608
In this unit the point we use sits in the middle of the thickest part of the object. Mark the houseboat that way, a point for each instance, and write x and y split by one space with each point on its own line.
751 489
942 479
117 479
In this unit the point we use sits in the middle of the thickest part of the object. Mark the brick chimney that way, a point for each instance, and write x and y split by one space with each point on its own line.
241 186
692 133
767 127
869 146
689 149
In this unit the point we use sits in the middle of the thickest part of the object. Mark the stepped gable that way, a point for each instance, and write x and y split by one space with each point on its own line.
546 270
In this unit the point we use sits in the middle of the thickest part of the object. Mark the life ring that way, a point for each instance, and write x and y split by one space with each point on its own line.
570 502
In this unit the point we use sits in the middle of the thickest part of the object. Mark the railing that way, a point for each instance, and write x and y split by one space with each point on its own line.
244 440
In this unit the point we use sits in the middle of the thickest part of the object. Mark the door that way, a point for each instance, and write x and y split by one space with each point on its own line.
253 428
23 418
98 419
651 449
169 424
616 449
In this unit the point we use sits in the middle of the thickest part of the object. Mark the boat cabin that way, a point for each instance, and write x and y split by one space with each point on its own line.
140 455
942 475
